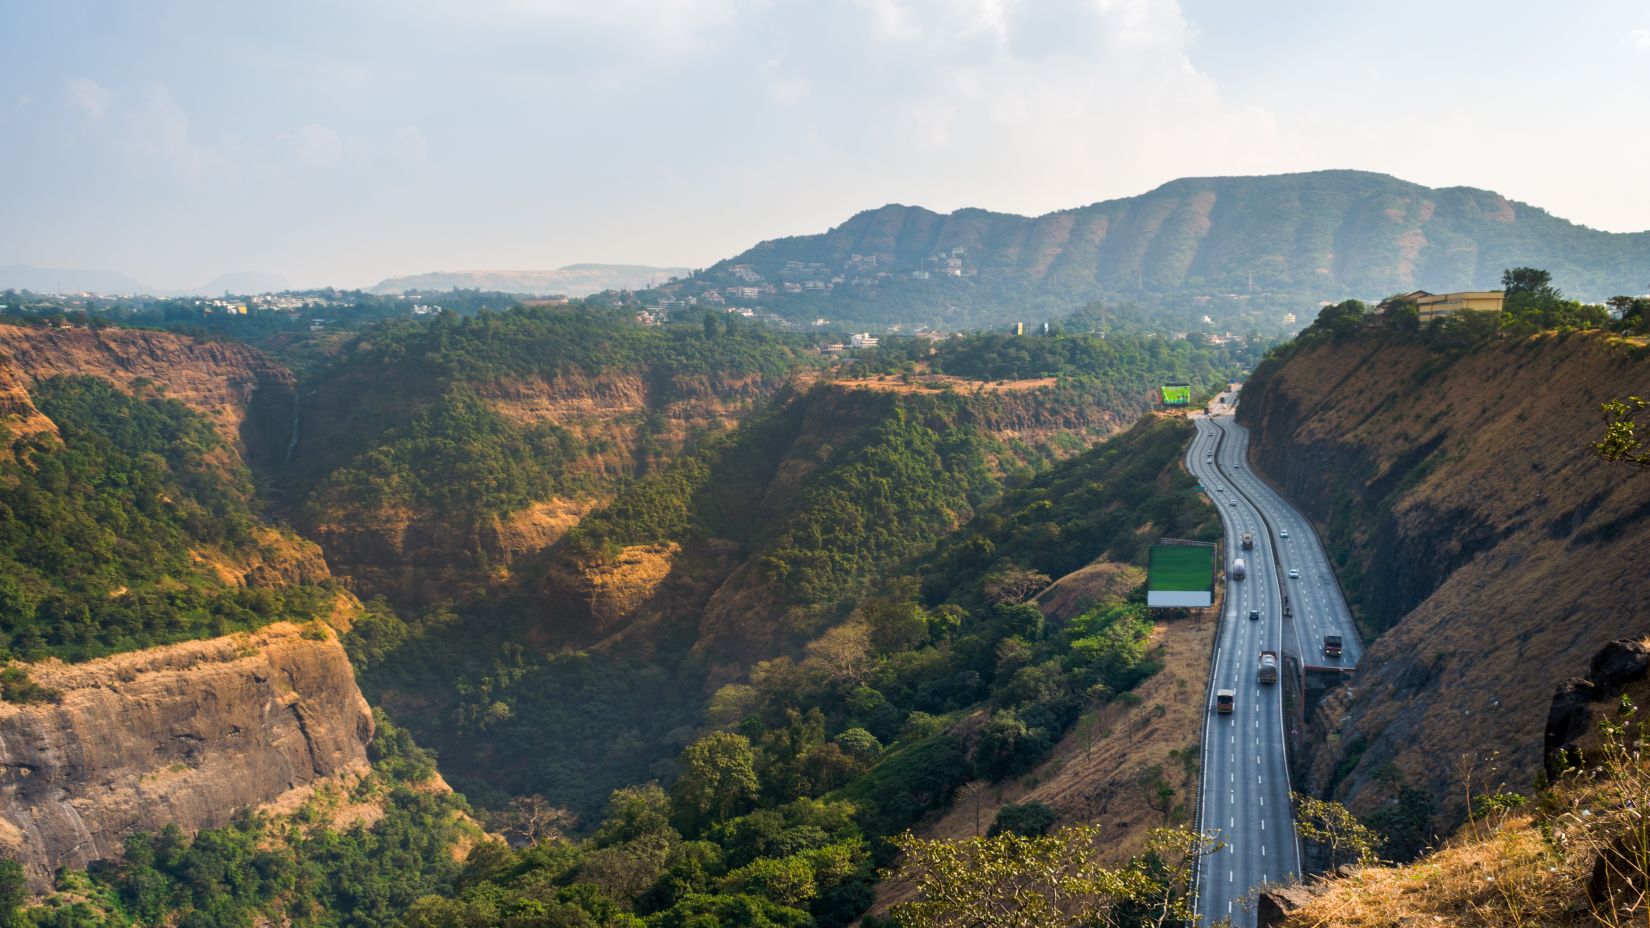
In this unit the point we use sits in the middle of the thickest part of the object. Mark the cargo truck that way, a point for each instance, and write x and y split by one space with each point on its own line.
1268 667
1332 646
1248 540
1238 570
1224 700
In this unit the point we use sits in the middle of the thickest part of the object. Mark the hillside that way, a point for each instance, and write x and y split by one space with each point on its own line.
1486 553
1228 246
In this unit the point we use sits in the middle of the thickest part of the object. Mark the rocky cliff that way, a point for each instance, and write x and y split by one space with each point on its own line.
1487 553
188 734
218 379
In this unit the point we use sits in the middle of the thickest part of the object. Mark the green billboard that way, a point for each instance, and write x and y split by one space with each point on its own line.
1180 576
1177 394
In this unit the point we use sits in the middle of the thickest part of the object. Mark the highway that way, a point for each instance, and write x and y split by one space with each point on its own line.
1245 788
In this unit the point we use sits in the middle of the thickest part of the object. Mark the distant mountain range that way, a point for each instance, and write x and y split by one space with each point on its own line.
1282 241
572 280
77 280
67 280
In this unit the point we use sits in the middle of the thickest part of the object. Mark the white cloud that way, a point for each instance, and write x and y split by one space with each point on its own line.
157 134
410 147
88 96
1638 40
1013 104
314 145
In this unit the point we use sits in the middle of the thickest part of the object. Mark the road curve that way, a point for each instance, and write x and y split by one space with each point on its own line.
1244 793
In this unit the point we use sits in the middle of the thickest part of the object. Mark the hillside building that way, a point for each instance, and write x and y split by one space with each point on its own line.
1437 305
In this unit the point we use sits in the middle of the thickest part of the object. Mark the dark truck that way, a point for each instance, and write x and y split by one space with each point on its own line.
1332 646
1248 540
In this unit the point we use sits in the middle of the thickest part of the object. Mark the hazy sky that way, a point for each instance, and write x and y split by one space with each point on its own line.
342 142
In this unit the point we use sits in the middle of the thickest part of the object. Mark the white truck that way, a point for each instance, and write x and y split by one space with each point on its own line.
1239 570
1268 672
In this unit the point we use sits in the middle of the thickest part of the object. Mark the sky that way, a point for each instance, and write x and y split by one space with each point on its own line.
337 143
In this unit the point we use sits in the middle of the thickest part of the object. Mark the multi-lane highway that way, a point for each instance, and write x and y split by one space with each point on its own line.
1245 786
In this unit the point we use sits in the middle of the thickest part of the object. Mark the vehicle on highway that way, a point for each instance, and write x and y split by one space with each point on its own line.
1254 615
1239 569
1224 701
1283 533
1232 503
1332 646
1294 574
1248 540
1268 672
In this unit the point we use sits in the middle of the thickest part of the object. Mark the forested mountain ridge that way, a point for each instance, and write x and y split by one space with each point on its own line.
1193 245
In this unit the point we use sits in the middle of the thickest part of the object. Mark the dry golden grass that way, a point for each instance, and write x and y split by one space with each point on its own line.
1506 875
1577 856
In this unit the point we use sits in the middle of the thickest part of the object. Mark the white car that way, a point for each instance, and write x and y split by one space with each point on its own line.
1232 503
1283 533
1294 574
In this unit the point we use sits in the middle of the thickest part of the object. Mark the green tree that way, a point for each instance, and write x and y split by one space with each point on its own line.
1325 822
895 626
14 894
1027 819
1622 443
1526 280
1052 881
1632 313
718 781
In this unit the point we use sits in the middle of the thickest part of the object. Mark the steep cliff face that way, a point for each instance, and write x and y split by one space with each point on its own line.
188 734
1488 554
219 380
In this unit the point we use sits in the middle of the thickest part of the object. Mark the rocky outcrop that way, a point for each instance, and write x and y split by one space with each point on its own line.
218 379
1622 668
1487 553
187 734
1275 904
